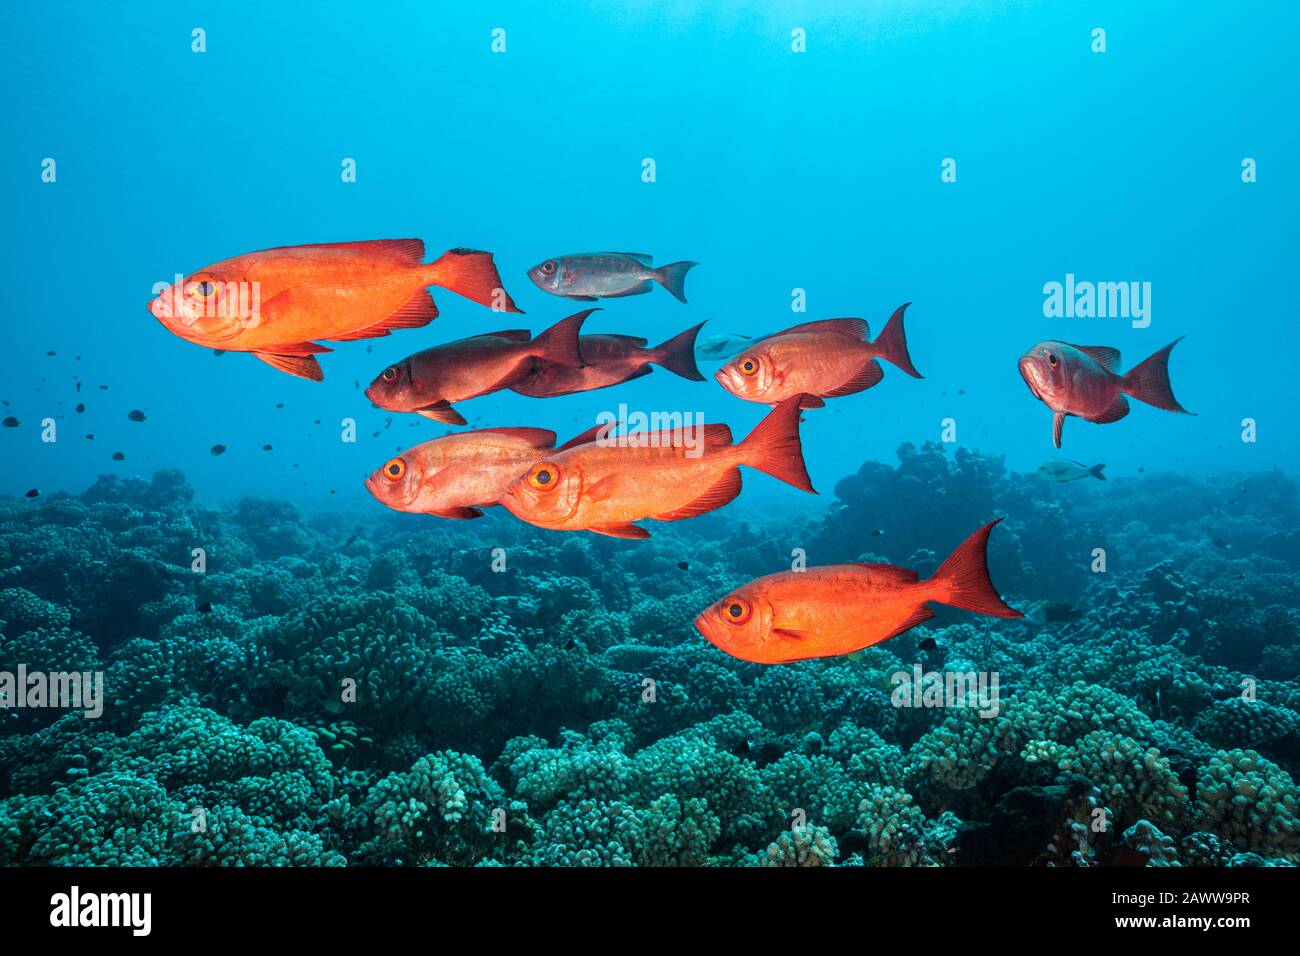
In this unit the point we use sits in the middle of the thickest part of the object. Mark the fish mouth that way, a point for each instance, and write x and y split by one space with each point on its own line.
373 488
1031 371
723 378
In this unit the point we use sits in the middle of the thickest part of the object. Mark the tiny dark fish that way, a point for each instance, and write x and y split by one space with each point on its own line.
355 534
10 422
927 644
118 456
80 408
218 352
90 436
877 532
33 493
1140 468
266 448
78 386
279 404
571 644
218 450
103 388
684 565
50 353
205 607
135 415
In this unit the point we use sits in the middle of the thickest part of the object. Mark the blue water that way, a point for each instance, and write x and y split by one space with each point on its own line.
775 170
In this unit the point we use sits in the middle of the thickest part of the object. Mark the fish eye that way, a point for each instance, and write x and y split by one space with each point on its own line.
1052 360
748 366
542 477
395 469
548 267
203 289
389 374
736 610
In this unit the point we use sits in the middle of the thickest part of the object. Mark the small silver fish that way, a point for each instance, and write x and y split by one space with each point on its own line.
1063 469
719 348
589 276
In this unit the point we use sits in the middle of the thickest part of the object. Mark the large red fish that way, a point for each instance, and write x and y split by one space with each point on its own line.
277 302
606 485
457 475
1085 380
612 360
842 608
429 381
821 360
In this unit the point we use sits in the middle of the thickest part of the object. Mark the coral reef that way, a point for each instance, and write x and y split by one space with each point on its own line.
308 693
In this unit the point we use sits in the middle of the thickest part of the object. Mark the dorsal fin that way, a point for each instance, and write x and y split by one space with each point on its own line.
644 258
889 572
534 437
590 435
1103 355
410 251
856 328
514 335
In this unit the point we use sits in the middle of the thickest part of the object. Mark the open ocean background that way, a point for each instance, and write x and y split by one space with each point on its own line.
1162 692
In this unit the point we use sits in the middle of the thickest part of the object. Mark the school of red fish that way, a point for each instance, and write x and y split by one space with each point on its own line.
280 304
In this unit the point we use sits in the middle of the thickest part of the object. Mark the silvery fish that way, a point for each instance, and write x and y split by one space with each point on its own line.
589 276
1063 469
719 348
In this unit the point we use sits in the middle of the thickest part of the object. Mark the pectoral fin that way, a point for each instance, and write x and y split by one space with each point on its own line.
622 531
1058 422
442 412
462 514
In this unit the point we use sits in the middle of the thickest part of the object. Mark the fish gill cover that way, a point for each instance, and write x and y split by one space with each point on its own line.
893 248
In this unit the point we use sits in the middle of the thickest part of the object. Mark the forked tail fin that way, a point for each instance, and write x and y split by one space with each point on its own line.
678 354
774 447
673 277
891 344
1149 382
965 577
474 275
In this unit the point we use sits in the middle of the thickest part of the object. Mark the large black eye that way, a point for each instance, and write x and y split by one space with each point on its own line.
542 476
548 267
206 289
1052 360
389 374
748 367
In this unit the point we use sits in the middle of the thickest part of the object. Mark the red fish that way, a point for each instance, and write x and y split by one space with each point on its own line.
669 475
276 302
429 381
842 608
820 360
457 475
612 360
1085 380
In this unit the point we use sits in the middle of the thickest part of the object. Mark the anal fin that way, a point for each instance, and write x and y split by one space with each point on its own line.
919 616
418 311
723 491
862 379
1114 411
622 531
303 366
